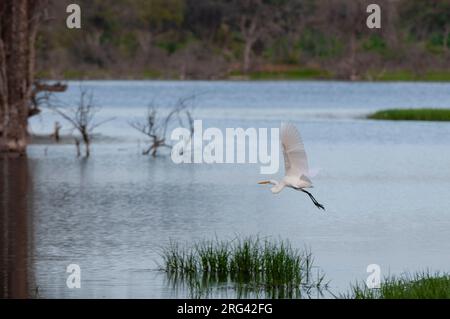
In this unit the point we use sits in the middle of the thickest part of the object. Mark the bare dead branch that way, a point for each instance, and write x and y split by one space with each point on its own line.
155 126
41 94
82 117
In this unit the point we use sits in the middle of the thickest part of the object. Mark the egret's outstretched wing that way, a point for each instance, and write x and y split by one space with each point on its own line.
295 160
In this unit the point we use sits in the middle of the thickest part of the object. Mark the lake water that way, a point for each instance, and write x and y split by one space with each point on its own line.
386 187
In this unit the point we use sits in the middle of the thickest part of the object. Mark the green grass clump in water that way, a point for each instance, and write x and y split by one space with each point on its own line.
417 286
249 265
412 115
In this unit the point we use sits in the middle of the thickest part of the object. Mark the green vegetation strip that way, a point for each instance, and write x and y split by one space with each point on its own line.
296 74
412 115
417 286
248 265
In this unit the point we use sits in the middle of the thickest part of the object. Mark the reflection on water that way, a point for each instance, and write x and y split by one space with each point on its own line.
203 285
15 228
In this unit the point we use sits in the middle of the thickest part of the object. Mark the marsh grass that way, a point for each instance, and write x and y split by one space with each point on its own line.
426 114
423 285
249 266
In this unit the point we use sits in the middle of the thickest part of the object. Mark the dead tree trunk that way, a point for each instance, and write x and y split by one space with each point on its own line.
87 141
247 54
18 27
249 30
446 34
77 145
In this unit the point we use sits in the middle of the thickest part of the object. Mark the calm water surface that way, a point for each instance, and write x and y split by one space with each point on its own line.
385 185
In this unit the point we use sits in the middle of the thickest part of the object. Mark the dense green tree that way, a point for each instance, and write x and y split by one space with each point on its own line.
425 18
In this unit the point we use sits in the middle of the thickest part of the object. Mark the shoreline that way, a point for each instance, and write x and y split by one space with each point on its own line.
431 76
47 139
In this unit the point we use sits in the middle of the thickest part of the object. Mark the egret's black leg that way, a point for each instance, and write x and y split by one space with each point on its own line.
318 205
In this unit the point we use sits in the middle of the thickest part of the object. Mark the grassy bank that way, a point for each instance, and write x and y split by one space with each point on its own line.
412 115
408 76
288 75
249 267
417 286
280 73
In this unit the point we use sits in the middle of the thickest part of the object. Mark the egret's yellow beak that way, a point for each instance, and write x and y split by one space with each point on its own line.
264 182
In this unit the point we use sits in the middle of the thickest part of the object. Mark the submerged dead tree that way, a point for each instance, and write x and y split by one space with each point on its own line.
19 21
82 118
155 125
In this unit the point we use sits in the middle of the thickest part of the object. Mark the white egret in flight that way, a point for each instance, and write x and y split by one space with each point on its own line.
295 164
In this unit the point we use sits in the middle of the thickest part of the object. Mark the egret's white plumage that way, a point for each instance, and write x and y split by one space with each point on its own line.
295 163
295 159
